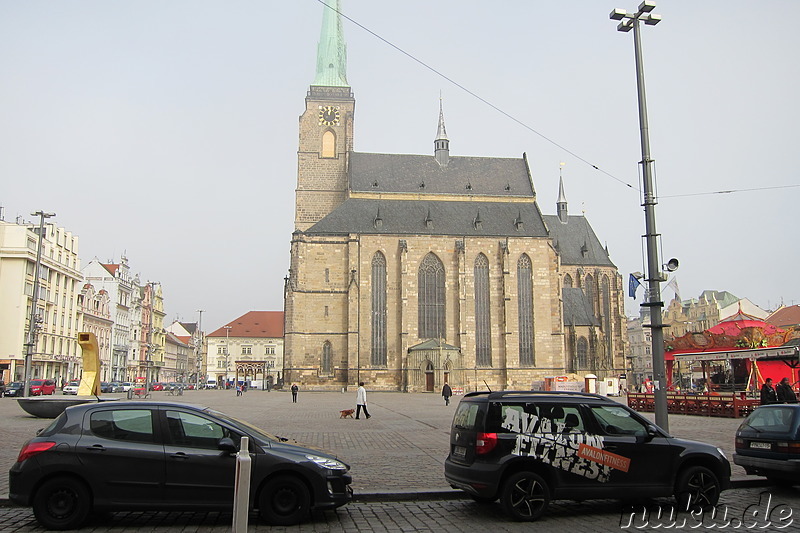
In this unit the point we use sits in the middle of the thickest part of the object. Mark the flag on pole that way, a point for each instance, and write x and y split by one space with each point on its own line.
633 284
673 284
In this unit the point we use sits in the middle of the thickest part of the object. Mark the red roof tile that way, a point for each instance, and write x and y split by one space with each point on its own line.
785 316
267 324
112 268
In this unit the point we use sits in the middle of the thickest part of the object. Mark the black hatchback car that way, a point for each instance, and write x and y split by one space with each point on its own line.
768 443
15 389
110 456
526 448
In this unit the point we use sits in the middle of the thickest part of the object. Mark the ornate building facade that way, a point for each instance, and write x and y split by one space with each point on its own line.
409 271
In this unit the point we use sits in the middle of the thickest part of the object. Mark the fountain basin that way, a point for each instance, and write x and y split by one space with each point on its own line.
50 407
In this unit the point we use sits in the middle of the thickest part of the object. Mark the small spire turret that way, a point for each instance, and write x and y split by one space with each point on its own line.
561 203
442 144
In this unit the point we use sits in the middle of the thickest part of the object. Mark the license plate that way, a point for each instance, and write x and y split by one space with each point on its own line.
761 445
459 451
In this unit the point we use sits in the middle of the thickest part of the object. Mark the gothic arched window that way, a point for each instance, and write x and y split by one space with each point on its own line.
567 281
431 313
591 293
483 339
582 353
525 310
328 144
378 309
605 292
326 358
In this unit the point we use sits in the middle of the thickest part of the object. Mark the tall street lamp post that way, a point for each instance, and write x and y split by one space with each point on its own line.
198 359
227 352
35 320
632 21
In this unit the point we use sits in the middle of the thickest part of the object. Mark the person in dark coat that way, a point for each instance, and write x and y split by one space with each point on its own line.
785 392
295 388
447 392
768 394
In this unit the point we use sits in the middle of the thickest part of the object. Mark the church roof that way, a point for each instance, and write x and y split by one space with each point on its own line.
432 217
421 174
577 309
576 241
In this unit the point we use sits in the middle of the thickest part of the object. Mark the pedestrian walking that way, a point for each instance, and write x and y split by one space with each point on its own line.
768 394
785 392
447 392
238 390
361 400
295 388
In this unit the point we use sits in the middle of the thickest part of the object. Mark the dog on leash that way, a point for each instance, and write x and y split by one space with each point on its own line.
344 413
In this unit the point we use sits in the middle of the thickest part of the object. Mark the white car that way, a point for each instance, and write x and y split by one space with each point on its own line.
71 388
126 386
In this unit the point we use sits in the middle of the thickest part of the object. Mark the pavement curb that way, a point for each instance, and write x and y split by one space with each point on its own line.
443 495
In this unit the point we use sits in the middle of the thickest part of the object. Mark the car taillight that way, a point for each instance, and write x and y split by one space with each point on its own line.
33 448
787 447
485 443
740 442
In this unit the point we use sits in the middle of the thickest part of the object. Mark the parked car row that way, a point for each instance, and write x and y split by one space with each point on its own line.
522 448
38 387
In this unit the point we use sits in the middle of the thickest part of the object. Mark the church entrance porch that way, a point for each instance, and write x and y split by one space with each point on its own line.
433 363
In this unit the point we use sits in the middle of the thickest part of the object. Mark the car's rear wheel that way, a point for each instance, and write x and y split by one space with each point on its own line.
62 503
525 496
284 501
697 488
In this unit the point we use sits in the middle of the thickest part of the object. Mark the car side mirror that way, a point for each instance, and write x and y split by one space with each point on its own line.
226 445
651 433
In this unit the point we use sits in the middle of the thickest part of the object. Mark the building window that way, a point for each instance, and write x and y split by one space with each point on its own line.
567 281
525 310
605 292
378 310
270 350
582 353
483 340
220 350
329 144
326 358
591 293
247 350
431 313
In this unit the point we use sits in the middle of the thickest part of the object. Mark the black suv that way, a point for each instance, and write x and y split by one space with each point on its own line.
527 448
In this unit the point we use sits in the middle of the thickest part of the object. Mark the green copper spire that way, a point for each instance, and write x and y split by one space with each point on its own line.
331 50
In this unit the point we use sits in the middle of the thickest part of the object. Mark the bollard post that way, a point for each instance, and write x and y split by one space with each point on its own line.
241 487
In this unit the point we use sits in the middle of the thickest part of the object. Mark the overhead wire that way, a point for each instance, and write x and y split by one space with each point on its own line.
478 97
525 125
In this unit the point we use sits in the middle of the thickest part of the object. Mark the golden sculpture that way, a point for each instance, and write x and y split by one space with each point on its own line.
90 380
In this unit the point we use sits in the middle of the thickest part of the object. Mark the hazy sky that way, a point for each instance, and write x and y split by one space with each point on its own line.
167 129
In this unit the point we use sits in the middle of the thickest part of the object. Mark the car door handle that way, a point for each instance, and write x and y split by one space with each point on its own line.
179 455
96 448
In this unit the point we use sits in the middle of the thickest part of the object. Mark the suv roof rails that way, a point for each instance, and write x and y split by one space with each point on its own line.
537 394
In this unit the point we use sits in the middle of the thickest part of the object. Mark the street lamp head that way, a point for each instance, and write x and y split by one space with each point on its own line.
647 6
618 14
652 19
625 26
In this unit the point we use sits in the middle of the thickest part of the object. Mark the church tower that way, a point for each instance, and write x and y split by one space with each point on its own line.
326 128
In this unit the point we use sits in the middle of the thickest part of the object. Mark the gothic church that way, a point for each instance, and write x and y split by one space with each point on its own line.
411 271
